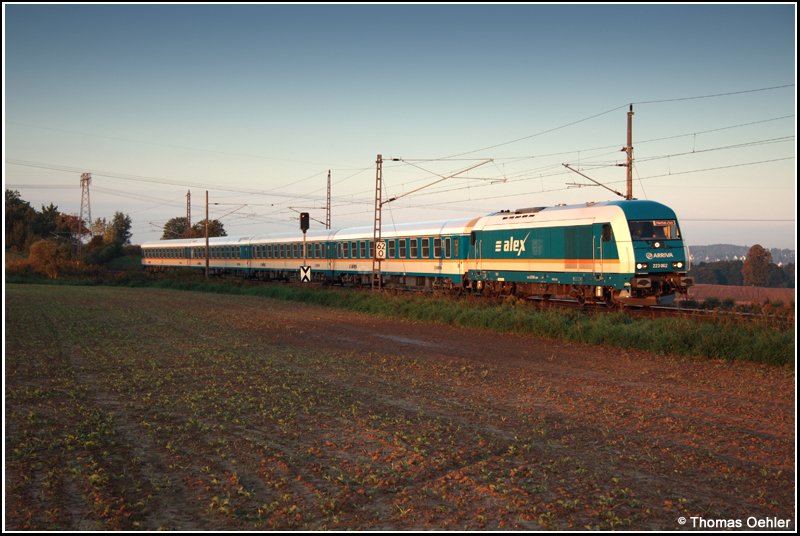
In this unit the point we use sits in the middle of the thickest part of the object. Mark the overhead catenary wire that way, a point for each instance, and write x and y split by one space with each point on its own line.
512 176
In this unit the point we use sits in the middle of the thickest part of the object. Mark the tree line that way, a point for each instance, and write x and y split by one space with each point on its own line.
756 270
50 239
179 228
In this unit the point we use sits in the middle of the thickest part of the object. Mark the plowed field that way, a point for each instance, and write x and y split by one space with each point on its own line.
144 409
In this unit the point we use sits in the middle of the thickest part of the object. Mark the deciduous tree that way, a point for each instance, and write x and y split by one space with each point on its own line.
755 270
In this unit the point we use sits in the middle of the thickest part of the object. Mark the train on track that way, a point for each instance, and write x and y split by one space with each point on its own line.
617 252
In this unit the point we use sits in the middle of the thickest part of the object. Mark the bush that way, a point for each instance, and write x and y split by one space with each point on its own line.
46 257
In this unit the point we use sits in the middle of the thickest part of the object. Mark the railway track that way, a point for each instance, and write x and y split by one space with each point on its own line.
784 321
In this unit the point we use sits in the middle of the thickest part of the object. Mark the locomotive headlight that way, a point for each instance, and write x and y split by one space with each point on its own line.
678 264
656 244
641 265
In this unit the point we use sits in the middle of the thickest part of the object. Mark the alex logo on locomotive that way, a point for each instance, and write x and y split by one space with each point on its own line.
511 245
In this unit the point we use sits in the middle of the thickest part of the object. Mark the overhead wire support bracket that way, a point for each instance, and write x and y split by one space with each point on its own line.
594 181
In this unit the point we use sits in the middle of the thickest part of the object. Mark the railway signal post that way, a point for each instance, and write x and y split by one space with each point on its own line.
305 270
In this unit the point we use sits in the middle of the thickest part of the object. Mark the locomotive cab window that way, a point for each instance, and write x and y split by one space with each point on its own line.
607 234
654 230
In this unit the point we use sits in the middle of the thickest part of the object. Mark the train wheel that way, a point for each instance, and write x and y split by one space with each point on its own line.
611 299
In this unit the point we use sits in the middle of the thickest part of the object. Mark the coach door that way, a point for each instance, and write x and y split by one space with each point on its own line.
329 256
475 245
601 238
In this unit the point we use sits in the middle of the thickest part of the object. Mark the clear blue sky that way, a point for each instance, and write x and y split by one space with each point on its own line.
256 102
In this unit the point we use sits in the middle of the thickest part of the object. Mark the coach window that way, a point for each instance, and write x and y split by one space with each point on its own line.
392 249
362 250
448 244
437 248
414 247
426 248
371 249
402 248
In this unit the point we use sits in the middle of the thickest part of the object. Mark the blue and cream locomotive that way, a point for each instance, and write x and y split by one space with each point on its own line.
627 252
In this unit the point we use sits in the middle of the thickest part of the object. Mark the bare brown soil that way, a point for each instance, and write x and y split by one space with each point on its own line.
145 409
742 294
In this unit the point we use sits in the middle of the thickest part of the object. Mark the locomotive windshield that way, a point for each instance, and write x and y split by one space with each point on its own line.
654 230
